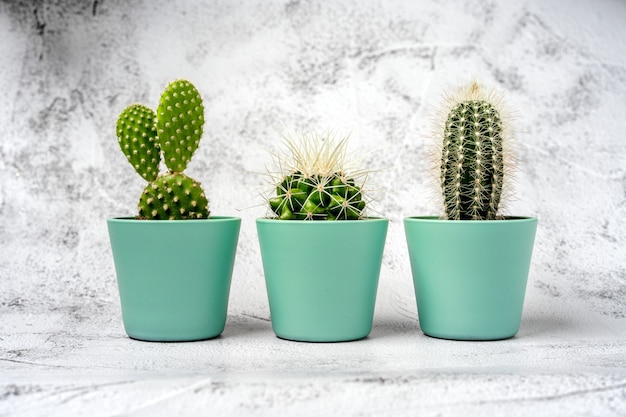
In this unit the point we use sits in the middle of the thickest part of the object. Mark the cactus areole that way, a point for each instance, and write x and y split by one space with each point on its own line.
173 131
472 160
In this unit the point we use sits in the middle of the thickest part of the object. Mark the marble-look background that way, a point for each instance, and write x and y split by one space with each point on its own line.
373 68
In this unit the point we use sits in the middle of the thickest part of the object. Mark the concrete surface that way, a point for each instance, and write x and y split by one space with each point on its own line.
373 68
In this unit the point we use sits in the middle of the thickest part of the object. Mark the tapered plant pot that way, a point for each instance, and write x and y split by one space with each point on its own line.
174 275
322 276
470 276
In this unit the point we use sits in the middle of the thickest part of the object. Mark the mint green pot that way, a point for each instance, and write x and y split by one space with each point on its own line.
322 276
174 275
470 276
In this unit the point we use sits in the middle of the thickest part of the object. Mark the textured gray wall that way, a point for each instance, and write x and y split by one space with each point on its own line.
375 68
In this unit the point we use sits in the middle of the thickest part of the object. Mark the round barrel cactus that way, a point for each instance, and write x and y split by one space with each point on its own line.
317 183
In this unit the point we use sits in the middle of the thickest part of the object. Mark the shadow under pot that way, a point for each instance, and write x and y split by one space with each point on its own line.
174 275
470 275
322 276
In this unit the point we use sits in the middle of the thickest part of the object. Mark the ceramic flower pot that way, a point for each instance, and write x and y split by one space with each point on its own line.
174 276
470 276
322 276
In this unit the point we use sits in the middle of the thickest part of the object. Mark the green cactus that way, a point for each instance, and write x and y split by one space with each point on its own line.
317 198
473 163
180 118
317 185
173 131
137 138
173 196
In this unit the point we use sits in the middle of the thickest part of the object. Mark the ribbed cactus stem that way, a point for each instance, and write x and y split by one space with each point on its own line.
317 198
472 160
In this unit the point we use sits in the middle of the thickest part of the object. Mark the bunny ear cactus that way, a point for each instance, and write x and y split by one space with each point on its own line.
474 159
315 182
173 131
137 137
180 118
173 196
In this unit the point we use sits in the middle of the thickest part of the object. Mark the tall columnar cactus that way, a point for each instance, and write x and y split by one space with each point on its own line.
315 182
174 131
473 158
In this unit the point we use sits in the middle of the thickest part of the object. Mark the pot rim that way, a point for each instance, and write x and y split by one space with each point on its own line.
307 223
212 219
436 219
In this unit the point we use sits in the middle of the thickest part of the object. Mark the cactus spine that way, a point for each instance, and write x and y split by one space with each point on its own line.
173 131
316 183
473 161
